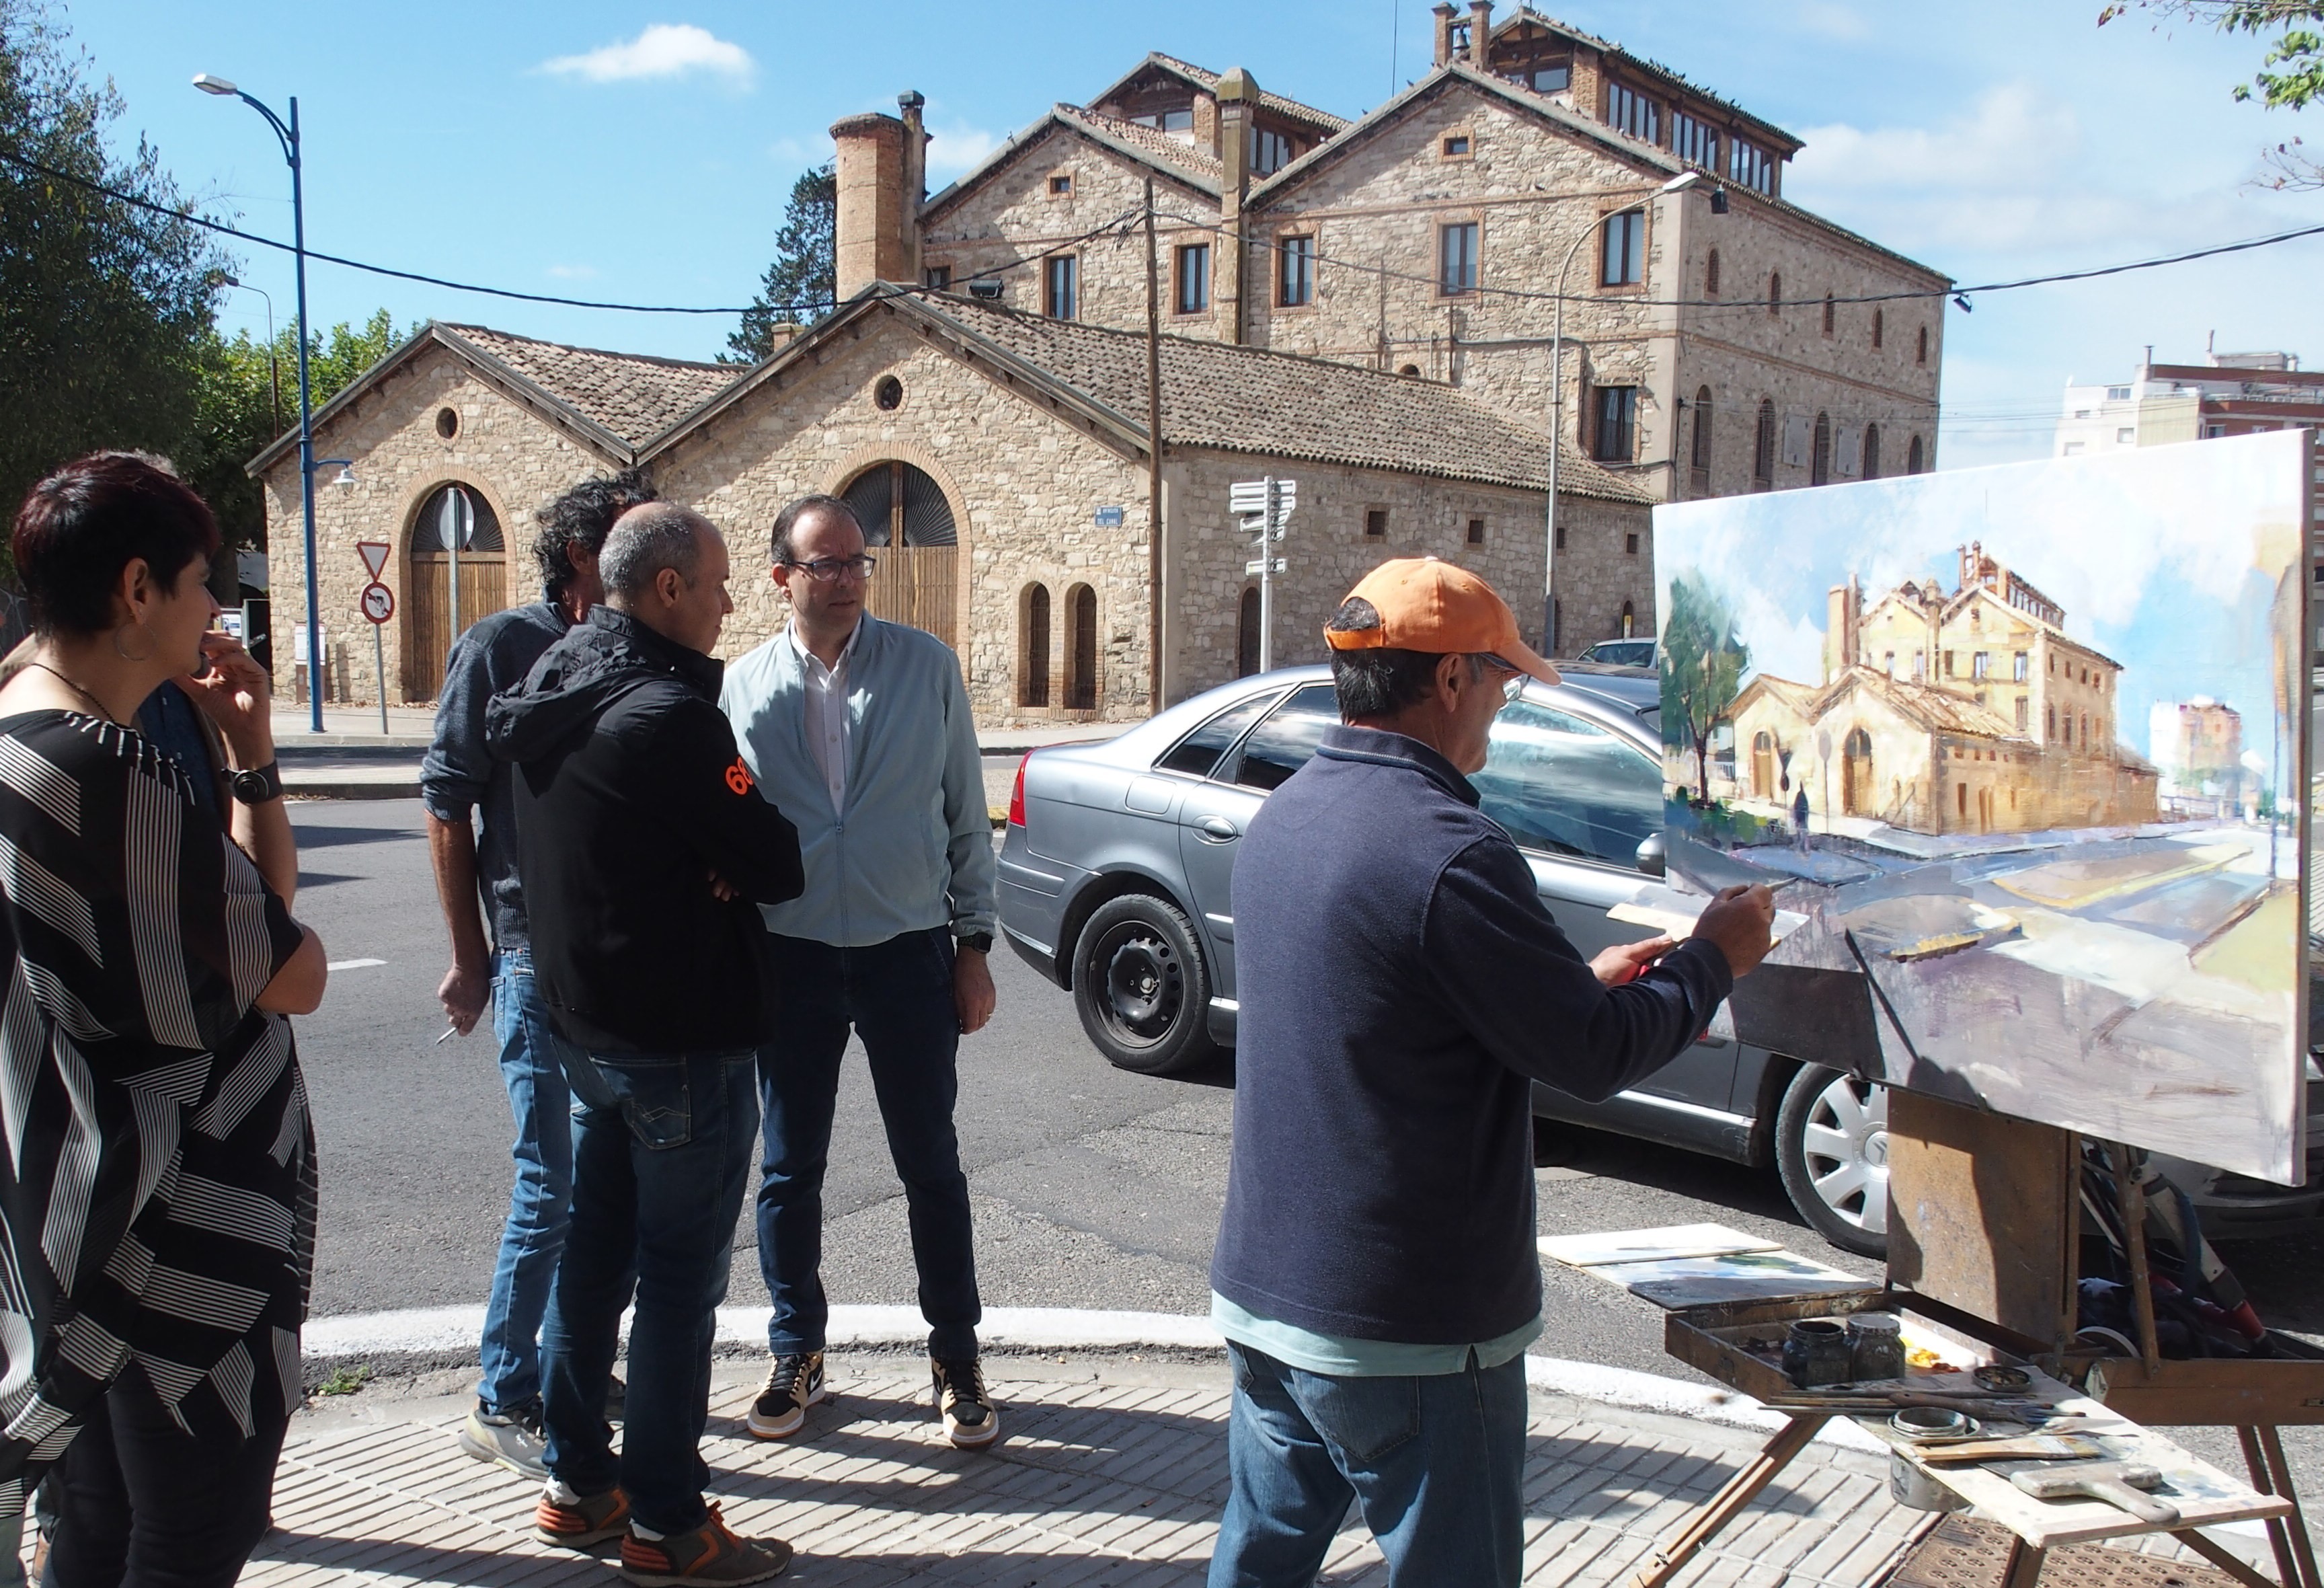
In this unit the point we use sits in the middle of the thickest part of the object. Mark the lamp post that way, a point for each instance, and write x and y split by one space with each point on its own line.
1677 184
287 133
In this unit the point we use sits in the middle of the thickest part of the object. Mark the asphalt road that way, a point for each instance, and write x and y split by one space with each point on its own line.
1094 1187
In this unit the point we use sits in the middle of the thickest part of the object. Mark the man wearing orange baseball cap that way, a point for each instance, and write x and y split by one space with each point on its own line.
1402 987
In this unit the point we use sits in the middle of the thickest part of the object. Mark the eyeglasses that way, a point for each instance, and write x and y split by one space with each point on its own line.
826 570
1513 688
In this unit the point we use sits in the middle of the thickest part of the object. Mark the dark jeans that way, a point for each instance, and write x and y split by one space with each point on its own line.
142 1504
661 1155
1436 1463
897 997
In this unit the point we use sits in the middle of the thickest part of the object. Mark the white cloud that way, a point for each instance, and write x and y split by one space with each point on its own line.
664 50
957 149
1833 20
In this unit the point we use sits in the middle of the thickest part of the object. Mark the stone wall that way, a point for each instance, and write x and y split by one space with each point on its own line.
504 452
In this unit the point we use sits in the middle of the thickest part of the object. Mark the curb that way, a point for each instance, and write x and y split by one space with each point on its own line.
325 787
457 1329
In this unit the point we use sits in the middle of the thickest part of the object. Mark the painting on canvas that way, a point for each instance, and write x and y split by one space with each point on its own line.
2026 747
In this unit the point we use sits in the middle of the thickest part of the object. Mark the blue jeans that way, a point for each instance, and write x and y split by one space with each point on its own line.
662 1156
897 997
1437 1463
533 1060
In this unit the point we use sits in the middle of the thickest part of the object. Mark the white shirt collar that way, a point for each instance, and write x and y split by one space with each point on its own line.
805 655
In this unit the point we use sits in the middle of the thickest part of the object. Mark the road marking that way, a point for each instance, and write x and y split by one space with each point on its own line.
1064 1328
352 965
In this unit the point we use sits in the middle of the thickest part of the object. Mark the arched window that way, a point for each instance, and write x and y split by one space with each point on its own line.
1699 447
1921 352
905 512
1830 314
1629 620
1763 447
1033 666
458 557
1763 765
1879 328
1913 457
1775 292
1080 648
1820 460
1856 785
1247 635
1872 452
1710 276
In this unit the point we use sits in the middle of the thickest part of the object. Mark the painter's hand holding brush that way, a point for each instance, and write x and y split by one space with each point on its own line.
1737 923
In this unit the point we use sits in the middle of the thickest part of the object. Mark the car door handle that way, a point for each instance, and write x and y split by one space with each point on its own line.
1217 829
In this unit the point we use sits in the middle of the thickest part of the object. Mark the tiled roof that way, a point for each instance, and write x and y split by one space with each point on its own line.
1275 102
1930 706
1527 13
1171 151
627 393
1280 405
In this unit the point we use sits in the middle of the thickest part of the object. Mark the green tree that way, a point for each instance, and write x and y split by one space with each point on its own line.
1703 663
2290 75
103 305
805 276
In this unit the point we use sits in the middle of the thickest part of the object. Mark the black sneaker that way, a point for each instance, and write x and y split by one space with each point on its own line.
793 1384
617 1398
510 1439
970 1420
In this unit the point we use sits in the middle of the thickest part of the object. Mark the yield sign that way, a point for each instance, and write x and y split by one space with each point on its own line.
375 555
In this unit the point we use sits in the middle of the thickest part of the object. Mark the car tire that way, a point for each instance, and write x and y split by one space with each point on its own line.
1142 987
1831 1148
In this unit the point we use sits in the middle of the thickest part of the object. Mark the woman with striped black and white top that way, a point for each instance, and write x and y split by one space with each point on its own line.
157 1174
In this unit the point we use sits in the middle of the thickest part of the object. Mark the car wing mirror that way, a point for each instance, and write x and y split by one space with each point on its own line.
1650 855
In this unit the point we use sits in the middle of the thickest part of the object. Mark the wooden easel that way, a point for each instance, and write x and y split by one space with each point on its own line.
1984 1235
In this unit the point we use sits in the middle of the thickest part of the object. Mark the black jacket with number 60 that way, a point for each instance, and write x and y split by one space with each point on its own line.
630 793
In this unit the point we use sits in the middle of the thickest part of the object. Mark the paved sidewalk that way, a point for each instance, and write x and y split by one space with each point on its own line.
1111 1471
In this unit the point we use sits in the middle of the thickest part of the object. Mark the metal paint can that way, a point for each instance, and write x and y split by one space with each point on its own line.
1911 1487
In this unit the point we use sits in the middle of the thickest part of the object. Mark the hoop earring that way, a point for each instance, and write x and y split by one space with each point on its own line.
154 646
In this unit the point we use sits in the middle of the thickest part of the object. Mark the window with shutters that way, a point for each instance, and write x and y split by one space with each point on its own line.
1763 447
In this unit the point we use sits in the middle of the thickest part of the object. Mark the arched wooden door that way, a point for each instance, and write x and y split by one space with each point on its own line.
454 537
1856 785
1763 766
909 526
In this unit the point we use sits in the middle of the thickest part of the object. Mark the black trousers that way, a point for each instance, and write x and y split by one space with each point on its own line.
141 1504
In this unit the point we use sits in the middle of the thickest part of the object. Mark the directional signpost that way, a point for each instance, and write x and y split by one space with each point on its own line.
1264 507
378 604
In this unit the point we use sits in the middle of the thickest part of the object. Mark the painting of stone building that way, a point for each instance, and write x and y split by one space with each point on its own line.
2024 750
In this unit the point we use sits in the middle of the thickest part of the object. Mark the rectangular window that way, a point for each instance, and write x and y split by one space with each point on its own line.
1375 524
2021 711
2126 435
1167 120
1630 544
1552 80
1456 259
1193 278
1694 141
1061 284
1295 271
1561 537
1976 664
1060 184
1456 146
2020 668
1613 431
938 276
1632 112
1749 166
1624 261
1476 532
1269 151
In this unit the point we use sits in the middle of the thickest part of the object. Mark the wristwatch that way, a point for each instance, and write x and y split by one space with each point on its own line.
259 787
979 941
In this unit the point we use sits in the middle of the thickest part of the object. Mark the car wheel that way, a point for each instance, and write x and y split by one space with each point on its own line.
1832 1147
1141 987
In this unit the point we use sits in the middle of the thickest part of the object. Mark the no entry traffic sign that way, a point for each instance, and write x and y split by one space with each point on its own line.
378 602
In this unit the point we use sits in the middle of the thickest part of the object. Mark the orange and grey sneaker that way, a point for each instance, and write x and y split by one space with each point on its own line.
582 1522
971 1421
710 1553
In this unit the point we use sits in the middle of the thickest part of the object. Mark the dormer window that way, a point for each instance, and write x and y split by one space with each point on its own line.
1552 80
1749 166
1631 112
1167 120
1271 151
1694 141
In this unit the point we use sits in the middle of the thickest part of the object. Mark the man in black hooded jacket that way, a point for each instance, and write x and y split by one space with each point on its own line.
643 848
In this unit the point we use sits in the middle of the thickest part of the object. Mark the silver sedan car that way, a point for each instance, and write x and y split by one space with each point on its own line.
1117 874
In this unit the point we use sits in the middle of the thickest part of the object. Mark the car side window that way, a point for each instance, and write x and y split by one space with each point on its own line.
1199 751
1286 741
1563 785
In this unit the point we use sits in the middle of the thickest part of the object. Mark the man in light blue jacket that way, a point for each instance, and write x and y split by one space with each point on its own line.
860 730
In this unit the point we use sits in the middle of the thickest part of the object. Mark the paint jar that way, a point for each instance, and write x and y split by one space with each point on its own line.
1910 1486
1816 1353
1875 1346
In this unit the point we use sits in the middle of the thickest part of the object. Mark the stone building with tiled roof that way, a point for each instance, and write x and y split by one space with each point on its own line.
999 461
1716 340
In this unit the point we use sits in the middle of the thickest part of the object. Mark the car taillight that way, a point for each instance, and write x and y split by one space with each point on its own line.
1017 795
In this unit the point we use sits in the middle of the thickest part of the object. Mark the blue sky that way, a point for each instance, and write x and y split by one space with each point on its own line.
2166 559
643 152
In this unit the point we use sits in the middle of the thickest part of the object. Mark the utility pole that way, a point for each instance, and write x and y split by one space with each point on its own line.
1154 606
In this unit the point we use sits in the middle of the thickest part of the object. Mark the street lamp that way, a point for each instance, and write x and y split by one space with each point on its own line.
273 366
288 134
1677 184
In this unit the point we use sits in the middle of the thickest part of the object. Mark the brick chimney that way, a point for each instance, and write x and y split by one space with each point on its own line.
878 222
1238 97
1444 14
1481 33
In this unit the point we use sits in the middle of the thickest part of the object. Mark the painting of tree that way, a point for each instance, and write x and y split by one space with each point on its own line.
1703 664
